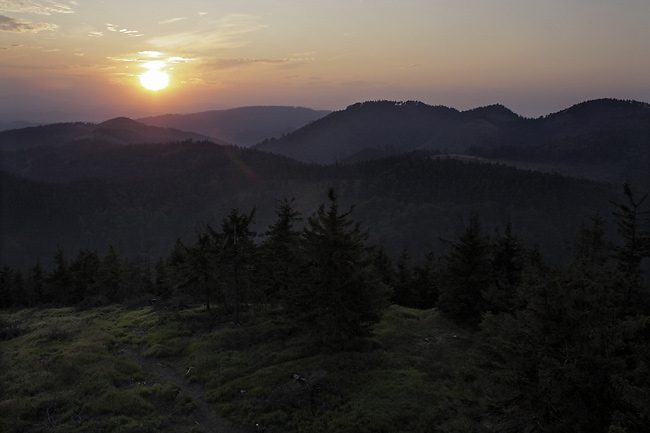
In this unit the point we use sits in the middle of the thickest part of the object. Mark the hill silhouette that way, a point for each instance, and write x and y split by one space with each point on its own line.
243 126
120 130
387 127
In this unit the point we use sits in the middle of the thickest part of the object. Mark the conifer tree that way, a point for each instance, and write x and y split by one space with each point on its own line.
425 282
19 289
110 280
195 266
341 294
384 266
37 284
403 288
570 357
58 281
508 261
279 255
632 224
237 256
467 275
6 287
84 270
591 249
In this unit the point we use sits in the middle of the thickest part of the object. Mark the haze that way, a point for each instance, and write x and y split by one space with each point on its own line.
80 60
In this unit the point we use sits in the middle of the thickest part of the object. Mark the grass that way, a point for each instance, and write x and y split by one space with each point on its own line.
68 370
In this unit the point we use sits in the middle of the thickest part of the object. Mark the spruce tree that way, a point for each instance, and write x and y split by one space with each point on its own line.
569 357
59 280
7 287
403 287
341 295
237 256
508 261
632 225
84 270
425 282
467 275
36 284
111 278
279 256
195 267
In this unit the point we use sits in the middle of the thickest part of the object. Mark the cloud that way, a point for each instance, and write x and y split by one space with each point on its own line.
8 24
180 60
222 64
151 53
114 28
228 34
240 23
96 34
172 20
43 7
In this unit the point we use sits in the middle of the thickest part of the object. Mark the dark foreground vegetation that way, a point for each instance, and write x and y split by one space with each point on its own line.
306 327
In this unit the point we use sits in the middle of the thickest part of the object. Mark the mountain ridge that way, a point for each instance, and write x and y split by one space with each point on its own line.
389 127
119 130
242 126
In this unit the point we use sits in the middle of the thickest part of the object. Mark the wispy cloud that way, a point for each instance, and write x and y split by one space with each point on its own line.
153 54
222 64
172 20
228 33
8 24
180 60
43 7
95 34
114 28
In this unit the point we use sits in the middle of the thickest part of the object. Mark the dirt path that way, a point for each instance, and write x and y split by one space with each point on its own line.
204 417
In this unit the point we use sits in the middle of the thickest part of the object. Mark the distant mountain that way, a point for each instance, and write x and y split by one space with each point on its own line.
17 124
367 129
244 126
120 130
123 130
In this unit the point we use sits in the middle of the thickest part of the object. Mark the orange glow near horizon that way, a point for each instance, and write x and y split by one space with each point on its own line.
533 57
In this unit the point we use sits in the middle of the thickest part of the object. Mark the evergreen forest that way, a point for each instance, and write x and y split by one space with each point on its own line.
308 326
415 268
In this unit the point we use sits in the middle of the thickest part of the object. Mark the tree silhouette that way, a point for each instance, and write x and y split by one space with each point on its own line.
341 294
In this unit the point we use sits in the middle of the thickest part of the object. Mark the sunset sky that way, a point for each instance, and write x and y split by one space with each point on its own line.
81 60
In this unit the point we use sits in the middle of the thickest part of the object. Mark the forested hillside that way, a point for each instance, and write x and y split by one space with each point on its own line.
139 197
375 129
120 130
311 326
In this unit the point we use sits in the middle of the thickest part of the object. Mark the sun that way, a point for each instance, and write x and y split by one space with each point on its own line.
154 80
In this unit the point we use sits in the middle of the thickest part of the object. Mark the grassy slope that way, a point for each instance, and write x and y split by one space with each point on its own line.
88 370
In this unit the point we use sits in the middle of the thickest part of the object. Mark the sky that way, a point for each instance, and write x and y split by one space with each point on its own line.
69 60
